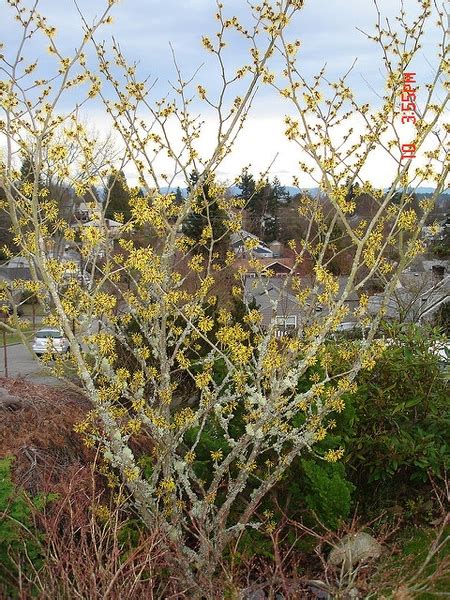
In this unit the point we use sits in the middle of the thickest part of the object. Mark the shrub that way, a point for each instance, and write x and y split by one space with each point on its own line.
397 430
329 493
322 489
17 534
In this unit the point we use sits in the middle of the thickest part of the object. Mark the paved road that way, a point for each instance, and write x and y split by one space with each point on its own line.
23 364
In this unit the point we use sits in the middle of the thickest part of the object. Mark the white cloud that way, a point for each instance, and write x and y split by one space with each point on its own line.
327 29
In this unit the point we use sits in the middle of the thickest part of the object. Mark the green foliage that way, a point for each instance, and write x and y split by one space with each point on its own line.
207 213
322 488
129 534
117 196
420 561
179 199
27 172
253 543
442 248
17 536
394 430
146 464
262 203
398 432
210 440
443 318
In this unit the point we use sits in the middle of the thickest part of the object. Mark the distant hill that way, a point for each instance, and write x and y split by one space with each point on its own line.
314 191
235 191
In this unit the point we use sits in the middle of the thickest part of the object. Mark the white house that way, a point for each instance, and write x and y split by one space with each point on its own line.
86 211
238 244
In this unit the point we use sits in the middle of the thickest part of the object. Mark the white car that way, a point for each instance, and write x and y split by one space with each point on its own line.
442 351
49 339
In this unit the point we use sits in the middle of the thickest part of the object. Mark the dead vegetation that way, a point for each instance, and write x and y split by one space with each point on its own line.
36 427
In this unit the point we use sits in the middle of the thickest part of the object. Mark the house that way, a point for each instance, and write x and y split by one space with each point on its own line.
6 282
108 223
258 249
276 248
277 302
18 262
113 228
421 290
87 211
278 267
18 267
429 234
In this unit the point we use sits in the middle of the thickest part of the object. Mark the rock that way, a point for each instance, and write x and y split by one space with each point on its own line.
318 592
256 595
355 548
8 401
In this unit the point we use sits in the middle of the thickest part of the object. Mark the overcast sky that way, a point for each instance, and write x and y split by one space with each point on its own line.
145 28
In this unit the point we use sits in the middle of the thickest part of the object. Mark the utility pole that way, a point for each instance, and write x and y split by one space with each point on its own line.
5 353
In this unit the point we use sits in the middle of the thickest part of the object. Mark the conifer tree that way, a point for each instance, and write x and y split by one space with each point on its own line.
206 212
262 205
27 174
117 196
179 196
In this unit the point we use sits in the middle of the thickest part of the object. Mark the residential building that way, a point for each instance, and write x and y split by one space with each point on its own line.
421 290
278 303
259 249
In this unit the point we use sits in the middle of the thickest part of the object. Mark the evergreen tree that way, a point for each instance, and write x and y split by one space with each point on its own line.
275 195
353 191
270 228
207 212
92 194
117 196
265 213
26 171
27 174
179 198
6 235
280 192
253 202
262 204
247 185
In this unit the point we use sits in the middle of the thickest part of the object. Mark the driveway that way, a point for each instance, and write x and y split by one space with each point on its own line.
23 364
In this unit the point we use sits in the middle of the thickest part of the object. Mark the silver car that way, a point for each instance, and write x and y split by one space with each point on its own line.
49 339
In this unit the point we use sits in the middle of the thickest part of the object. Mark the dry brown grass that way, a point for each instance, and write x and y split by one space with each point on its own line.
37 429
93 549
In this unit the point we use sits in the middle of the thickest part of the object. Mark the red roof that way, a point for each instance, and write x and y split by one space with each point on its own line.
287 264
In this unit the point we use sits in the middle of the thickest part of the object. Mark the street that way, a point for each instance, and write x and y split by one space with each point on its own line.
21 363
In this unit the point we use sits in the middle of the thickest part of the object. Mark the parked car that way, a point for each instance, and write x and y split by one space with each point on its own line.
49 339
442 351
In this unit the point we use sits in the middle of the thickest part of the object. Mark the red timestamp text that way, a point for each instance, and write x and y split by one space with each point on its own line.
408 109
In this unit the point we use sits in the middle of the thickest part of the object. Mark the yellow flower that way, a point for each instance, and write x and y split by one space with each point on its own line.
201 92
407 220
254 317
216 455
202 379
189 457
167 486
131 473
205 324
334 455
196 263
320 434
101 512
